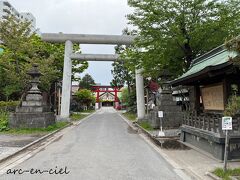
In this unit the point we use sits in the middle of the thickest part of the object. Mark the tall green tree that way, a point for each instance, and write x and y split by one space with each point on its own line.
21 48
78 66
234 45
16 37
129 100
121 73
85 96
86 82
171 33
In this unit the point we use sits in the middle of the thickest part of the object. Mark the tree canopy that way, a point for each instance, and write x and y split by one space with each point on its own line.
234 45
122 74
21 48
171 33
86 82
85 96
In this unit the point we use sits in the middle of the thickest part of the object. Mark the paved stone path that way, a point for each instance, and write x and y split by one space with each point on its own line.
102 147
10 144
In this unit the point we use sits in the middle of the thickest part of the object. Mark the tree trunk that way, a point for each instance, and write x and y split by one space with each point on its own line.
188 54
187 48
128 86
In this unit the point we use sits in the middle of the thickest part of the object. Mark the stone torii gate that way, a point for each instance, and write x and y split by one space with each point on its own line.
69 39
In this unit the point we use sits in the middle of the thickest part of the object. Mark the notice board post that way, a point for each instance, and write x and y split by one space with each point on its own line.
226 125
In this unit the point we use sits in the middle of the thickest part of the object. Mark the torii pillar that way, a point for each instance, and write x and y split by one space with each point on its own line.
116 102
97 104
140 95
67 81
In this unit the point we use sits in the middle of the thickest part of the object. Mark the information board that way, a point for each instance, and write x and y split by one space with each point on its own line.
227 123
160 114
212 97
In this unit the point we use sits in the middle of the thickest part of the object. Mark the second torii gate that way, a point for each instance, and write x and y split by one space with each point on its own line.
69 39
106 89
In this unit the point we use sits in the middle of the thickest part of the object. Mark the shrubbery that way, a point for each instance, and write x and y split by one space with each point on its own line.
3 120
5 107
129 100
85 97
8 105
233 106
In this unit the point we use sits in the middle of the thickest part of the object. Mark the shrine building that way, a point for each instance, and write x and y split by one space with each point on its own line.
212 79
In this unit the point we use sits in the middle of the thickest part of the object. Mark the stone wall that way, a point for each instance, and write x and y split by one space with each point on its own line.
210 142
31 120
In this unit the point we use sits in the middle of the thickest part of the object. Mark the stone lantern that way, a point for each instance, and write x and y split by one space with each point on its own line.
172 114
165 84
33 112
35 74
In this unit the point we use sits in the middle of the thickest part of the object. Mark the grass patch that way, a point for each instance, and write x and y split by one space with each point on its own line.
146 126
226 175
50 128
130 116
77 117
88 111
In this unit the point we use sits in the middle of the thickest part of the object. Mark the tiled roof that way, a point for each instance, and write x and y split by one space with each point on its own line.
214 58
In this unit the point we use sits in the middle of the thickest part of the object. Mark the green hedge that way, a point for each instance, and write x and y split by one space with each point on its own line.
9 103
5 108
3 121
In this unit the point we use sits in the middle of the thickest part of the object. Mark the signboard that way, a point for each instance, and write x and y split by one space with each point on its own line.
160 114
212 97
227 123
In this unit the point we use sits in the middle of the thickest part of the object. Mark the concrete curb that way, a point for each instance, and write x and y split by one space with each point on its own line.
233 178
145 131
77 122
128 122
43 138
135 126
213 176
153 138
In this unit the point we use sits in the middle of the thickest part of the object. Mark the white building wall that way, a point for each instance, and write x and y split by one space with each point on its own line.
25 16
6 9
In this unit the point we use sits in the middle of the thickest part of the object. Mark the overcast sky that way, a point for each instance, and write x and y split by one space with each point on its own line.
83 17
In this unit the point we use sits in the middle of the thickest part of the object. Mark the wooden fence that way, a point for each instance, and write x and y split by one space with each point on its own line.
209 122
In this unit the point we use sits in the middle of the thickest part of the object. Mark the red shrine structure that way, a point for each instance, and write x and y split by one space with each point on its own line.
106 95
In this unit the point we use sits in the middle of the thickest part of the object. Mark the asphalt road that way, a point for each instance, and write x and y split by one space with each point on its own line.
102 147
